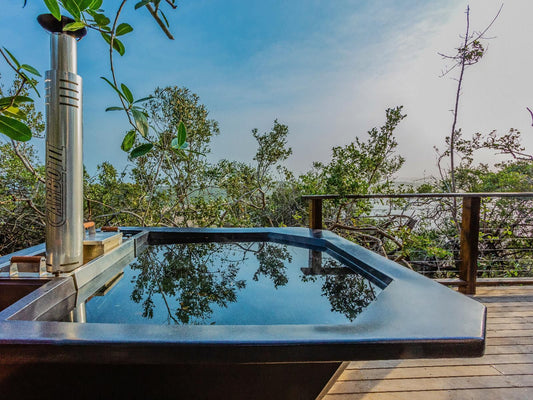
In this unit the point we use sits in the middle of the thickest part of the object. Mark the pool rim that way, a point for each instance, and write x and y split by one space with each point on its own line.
442 322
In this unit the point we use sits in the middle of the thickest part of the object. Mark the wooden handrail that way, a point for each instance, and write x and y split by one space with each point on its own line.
417 195
469 237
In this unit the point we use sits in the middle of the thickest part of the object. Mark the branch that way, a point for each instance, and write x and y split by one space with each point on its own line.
159 22
480 35
31 204
26 162
117 212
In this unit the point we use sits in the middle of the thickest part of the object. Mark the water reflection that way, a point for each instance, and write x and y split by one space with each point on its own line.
196 281
197 275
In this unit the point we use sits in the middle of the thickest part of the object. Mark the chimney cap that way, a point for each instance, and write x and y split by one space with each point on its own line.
51 24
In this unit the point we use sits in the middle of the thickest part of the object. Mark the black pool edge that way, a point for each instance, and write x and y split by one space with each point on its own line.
454 326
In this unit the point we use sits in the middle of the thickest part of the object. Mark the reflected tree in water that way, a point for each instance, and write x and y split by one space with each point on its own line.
273 260
193 279
348 292
194 274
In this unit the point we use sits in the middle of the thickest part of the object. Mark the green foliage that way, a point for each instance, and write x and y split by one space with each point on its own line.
362 166
86 14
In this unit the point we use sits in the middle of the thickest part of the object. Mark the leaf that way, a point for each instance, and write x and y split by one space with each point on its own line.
5 101
72 7
15 112
175 144
30 82
140 121
127 93
141 4
141 150
117 44
113 86
114 109
165 18
53 7
143 99
30 69
12 57
96 4
182 133
73 26
128 141
14 129
100 19
122 29
84 4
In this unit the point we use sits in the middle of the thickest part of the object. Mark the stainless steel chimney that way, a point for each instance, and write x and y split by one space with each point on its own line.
64 163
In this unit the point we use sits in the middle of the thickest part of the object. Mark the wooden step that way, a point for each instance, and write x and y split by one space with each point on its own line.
100 243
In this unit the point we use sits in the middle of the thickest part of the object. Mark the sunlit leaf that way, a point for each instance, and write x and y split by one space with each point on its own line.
5 101
128 141
122 29
14 129
53 7
140 121
14 112
141 150
127 93
74 26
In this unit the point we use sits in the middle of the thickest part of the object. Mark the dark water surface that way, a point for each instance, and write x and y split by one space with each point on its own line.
233 284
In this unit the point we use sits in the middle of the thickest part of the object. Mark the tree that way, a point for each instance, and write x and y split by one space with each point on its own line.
248 189
361 167
21 184
469 53
167 184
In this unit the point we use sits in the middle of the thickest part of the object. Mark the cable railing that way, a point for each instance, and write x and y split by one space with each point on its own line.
460 239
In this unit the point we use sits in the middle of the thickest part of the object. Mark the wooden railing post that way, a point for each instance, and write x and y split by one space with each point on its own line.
315 213
469 244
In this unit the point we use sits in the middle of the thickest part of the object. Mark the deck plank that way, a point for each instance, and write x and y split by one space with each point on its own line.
470 394
505 372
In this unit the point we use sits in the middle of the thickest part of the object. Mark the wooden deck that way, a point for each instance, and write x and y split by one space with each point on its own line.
505 372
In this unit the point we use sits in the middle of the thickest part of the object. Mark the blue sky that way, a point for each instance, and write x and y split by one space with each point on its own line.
328 69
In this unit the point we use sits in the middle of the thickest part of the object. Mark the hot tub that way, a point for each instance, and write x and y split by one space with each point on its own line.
270 313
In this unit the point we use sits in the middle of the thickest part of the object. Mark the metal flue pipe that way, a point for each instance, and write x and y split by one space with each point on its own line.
64 163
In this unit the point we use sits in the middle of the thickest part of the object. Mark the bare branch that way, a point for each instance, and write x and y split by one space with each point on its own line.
27 164
159 21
